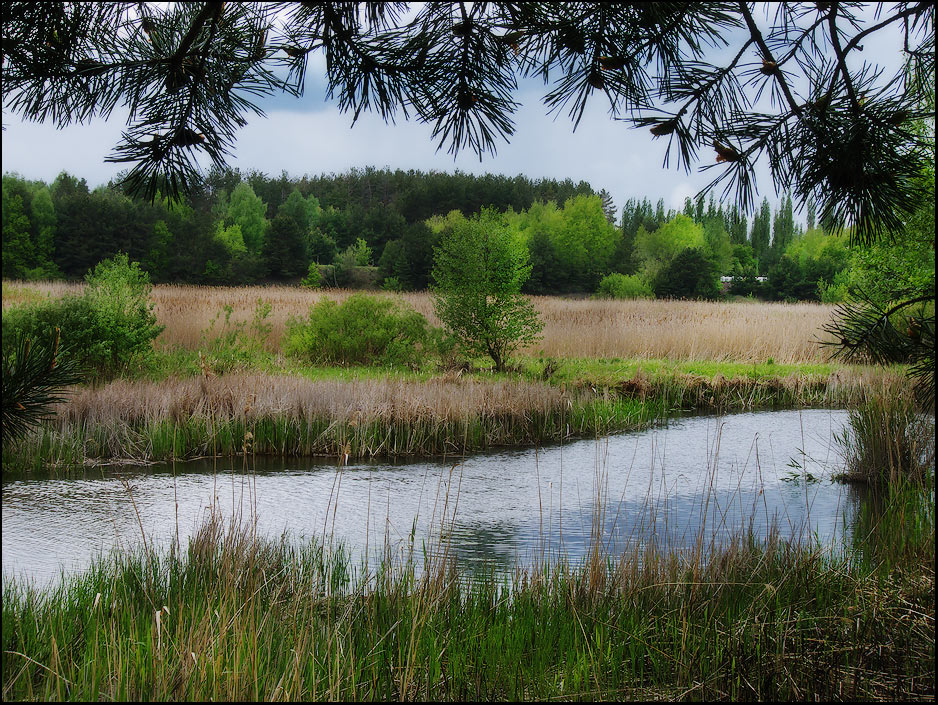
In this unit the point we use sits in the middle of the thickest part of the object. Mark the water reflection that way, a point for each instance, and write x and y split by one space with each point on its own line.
697 479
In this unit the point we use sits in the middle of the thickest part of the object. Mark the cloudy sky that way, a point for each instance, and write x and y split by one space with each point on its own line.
310 136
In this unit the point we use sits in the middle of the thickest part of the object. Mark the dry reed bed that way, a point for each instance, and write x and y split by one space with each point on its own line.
293 416
250 397
677 330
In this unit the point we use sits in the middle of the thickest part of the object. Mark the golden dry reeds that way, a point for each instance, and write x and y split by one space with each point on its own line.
582 328
253 396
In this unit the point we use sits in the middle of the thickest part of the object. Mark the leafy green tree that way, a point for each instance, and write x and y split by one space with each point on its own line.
737 226
313 278
717 244
320 247
362 253
42 215
656 249
285 248
248 212
585 241
305 212
783 230
479 269
691 274
760 236
18 250
231 238
393 264
157 259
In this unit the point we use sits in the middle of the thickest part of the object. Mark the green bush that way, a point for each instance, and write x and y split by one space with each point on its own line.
313 278
363 330
109 327
623 286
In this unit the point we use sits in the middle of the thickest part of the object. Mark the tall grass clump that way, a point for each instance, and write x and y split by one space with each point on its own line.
237 345
889 440
362 330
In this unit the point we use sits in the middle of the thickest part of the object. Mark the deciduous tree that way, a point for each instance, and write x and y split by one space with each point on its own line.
479 268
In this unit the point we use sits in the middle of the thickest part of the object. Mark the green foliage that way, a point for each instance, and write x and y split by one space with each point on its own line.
656 249
622 286
810 259
342 267
231 237
109 327
285 248
362 253
247 210
35 375
480 266
237 345
885 271
690 275
313 278
586 241
393 263
363 330
760 236
392 283
320 247
18 252
304 212
569 248
834 292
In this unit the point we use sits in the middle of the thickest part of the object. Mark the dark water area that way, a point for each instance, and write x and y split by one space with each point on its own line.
697 479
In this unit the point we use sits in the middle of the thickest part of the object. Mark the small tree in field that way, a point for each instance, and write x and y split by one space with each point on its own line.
479 267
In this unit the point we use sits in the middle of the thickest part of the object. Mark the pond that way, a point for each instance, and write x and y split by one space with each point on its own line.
701 478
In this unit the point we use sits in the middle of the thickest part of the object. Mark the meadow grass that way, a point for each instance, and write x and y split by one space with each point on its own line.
752 332
233 616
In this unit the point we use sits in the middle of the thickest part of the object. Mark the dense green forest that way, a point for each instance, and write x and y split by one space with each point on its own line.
244 228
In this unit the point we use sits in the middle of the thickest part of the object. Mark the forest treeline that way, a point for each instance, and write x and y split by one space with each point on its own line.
245 228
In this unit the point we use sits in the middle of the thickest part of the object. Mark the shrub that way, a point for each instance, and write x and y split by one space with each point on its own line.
363 330
623 286
109 327
392 283
313 278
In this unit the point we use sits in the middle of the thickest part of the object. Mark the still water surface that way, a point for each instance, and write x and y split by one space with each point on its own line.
714 475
